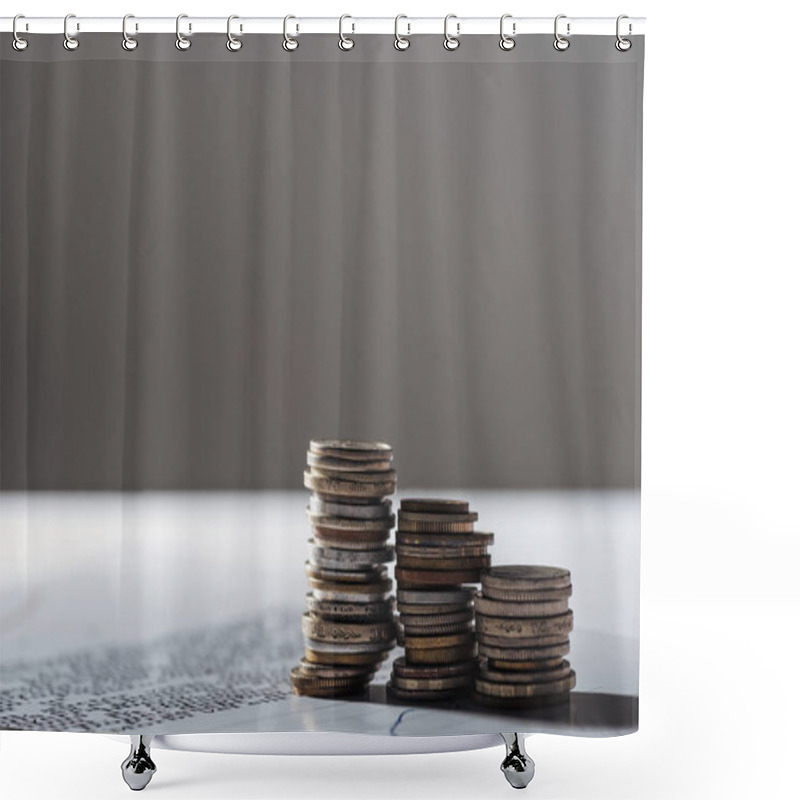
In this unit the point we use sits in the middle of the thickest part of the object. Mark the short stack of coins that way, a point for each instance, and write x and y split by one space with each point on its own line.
438 551
349 625
523 622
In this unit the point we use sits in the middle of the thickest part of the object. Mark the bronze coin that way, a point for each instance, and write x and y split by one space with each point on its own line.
342 524
524 627
497 608
516 690
524 666
331 487
332 590
346 659
560 671
453 528
350 449
334 631
351 540
354 477
379 611
403 695
331 464
524 578
473 563
522 654
426 518
304 684
416 539
421 642
546 595
455 551
433 610
520 643
441 655
372 577
422 671
436 630
434 505
379 510
335 671
431 684
425 578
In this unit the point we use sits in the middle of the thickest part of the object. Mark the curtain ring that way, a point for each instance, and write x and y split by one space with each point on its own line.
18 43
290 43
451 42
345 43
507 42
70 42
128 42
401 42
181 42
561 43
622 44
233 44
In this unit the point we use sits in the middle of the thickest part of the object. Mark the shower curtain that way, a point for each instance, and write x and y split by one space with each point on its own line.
239 286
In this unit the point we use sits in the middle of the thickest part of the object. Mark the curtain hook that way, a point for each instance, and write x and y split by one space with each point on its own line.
18 43
70 42
561 43
129 42
451 42
507 42
290 43
622 44
345 43
181 42
233 44
401 42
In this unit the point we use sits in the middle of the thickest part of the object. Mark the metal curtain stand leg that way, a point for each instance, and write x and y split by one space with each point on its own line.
138 768
517 766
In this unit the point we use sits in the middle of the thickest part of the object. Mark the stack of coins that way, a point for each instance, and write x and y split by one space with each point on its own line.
438 551
523 623
349 625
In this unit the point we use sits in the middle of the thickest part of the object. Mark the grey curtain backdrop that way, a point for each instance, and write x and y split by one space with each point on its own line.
210 257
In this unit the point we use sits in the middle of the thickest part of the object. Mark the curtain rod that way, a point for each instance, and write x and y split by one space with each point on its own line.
77 25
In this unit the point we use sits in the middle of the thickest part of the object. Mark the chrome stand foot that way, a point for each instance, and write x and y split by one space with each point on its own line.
517 766
138 768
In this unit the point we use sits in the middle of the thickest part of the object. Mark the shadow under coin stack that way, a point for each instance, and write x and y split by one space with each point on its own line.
438 551
523 623
349 626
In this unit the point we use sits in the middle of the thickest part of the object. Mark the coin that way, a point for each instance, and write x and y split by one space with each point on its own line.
335 557
332 487
354 477
520 703
532 642
524 627
448 551
408 526
435 596
443 564
455 640
344 658
542 596
560 671
440 655
379 510
408 578
421 671
378 611
416 609
523 666
434 505
431 684
395 693
332 464
345 576
350 449
494 689
336 671
351 540
432 620
524 578
342 524
416 539
332 590
505 653
322 630
427 518
497 608
304 684
349 648
434 630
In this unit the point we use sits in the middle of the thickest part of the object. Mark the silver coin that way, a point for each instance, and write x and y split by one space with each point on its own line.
323 508
331 558
343 524
341 596
432 597
352 647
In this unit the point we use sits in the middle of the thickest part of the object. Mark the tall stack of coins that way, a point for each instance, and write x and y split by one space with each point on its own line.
438 551
523 623
349 623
